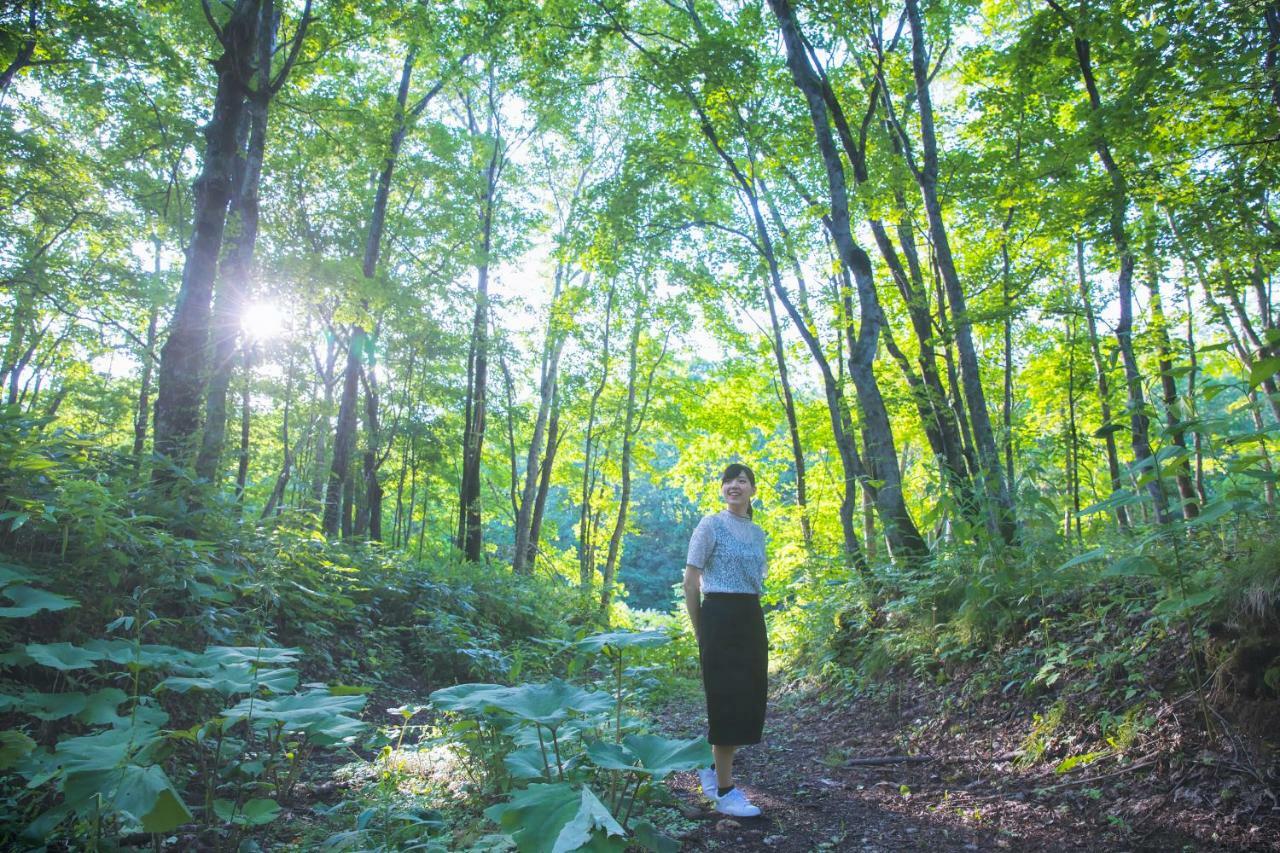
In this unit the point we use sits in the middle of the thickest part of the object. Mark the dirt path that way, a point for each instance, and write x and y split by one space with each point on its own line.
813 798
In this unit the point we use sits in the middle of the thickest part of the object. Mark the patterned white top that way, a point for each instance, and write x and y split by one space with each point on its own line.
729 550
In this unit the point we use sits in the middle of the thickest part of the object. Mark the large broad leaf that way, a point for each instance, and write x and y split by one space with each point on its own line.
14 746
108 749
62 656
1081 559
255 812
229 680
1118 498
651 755
1262 370
143 792
50 706
622 640
319 715
144 655
11 574
100 708
648 837
557 818
27 601
256 655
1133 564
551 703
527 763
465 697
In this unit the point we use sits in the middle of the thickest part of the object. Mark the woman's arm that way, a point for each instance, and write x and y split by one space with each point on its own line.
692 597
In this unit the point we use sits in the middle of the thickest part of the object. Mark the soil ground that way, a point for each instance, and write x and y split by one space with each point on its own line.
1165 793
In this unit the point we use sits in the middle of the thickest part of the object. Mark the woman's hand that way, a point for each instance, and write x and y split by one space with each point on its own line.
693 598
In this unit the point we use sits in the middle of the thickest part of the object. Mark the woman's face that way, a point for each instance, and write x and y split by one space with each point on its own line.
737 493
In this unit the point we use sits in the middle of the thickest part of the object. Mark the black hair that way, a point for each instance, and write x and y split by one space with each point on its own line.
733 471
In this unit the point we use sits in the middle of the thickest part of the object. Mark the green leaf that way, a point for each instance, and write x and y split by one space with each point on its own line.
557 818
1132 565
260 811
651 755
109 748
465 697
62 656
551 703
621 640
11 574
1086 557
646 834
51 706
27 601
1262 370
320 716
100 708
229 680
14 746
1073 761
143 655
526 763
1118 498
143 792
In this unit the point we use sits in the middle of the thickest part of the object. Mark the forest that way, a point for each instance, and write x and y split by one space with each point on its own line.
367 366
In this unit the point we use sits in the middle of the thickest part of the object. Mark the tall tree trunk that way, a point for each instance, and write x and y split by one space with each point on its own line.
881 459
1004 523
1108 429
143 414
1169 387
1139 423
549 371
793 428
242 463
624 495
26 48
544 480
1006 412
276 499
470 532
184 353
344 437
586 545
340 498
236 269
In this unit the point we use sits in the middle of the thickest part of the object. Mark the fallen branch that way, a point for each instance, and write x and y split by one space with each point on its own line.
888 759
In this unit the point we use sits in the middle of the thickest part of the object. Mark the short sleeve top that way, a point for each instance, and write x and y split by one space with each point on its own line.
729 550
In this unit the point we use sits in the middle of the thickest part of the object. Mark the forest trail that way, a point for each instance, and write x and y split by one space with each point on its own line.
813 798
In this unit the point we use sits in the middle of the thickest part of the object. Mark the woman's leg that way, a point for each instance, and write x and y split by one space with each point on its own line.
723 756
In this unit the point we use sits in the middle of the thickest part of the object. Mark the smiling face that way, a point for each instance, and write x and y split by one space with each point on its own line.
737 492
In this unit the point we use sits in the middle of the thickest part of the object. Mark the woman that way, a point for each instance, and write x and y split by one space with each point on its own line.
723 576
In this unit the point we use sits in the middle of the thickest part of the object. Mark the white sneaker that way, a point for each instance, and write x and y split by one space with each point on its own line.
736 804
707 776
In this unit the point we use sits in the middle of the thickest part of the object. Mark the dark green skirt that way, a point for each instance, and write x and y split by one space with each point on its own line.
734 653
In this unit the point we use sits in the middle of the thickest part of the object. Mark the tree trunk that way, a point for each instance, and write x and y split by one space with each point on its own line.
586 547
1004 522
552 347
344 437
1169 388
242 463
1119 200
143 414
793 428
1108 429
544 480
624 495
236 270
183 355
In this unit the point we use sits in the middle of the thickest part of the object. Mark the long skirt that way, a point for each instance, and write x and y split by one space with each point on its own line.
734 653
